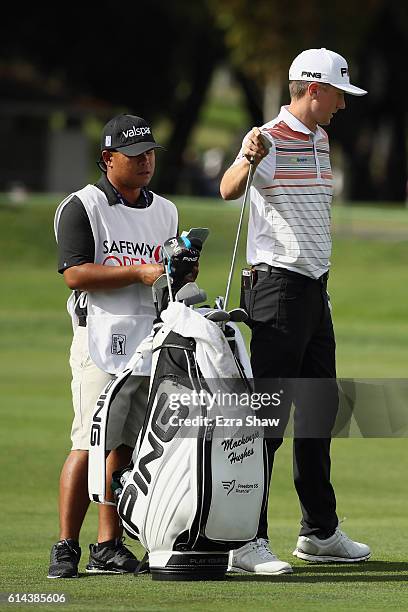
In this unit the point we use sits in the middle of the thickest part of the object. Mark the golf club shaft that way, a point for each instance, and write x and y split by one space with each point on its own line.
234 254
171 298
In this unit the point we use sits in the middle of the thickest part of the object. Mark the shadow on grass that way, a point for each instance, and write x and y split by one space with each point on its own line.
371 571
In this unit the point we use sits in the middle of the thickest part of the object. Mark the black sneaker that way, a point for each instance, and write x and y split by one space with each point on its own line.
111 557
65 556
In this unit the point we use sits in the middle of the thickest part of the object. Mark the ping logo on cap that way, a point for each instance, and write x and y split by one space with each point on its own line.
134 131
108 141
313 75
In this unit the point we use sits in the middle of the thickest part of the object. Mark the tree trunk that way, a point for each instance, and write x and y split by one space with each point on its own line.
253 97
187 113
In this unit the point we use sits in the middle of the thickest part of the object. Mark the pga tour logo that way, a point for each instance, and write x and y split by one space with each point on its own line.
118 346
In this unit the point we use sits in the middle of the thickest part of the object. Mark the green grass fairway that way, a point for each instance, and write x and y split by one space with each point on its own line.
369 296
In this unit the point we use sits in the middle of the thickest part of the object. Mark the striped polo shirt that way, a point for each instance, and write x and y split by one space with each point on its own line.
289 223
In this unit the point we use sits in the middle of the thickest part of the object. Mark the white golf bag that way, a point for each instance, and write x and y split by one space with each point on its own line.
198 484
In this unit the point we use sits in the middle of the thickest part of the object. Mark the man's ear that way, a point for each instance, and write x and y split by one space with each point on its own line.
107 158
313 90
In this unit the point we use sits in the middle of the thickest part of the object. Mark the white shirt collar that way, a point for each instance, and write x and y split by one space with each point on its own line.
295 124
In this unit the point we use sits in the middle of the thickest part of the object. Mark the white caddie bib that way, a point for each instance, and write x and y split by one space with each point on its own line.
119 319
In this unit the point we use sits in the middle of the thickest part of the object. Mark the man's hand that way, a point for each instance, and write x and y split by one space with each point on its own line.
255 146
150 273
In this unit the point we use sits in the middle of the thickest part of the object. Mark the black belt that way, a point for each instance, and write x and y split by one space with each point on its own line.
264 267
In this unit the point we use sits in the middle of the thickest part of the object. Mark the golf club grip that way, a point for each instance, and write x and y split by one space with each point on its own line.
234 254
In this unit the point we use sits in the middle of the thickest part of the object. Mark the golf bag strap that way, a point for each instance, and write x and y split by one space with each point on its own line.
97 442
174 346
99 426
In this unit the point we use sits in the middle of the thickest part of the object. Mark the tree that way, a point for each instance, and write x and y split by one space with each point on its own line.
151 58
263 38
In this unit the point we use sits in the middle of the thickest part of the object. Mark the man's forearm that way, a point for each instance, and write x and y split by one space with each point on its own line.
94 277
255 147
234 180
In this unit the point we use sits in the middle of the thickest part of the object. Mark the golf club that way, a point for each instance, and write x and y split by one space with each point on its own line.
219 302
218 316
267 144
199 233
238 315
168 280
158 287
190 294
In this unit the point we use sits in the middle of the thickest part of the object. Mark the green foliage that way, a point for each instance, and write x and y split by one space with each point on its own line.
265 36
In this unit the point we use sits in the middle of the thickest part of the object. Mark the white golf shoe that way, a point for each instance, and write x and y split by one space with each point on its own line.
256 557
339 548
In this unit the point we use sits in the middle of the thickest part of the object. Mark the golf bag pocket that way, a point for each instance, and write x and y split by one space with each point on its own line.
237 485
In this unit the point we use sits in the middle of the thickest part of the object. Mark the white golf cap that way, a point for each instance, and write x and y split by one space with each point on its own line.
323 66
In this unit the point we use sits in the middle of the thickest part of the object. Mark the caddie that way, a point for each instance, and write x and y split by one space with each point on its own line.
109 239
